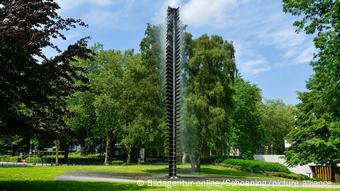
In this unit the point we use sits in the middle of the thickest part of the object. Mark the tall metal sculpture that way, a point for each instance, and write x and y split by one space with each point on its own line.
173 83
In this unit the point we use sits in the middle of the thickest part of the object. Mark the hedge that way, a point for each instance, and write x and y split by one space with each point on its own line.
85 160
292 176
217 159
256 165
7 158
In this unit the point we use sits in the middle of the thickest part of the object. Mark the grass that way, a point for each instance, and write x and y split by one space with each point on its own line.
99 186
50 172
42 179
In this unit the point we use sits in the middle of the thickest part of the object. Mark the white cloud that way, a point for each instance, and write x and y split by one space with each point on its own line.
254 67
108 17
203 12
97 18
200 13
283 38
70 4
208 13
160 14
174 3
248 61
306 56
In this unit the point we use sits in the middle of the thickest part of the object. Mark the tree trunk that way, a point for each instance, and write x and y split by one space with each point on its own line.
64 146
13 151
82 149
128 160
66 154
333 171
184 158
57 145
108 149
195 163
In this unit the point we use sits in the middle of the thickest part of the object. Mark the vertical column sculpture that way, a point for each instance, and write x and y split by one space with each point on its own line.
172 84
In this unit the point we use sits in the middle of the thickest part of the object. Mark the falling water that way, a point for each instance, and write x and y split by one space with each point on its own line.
185 139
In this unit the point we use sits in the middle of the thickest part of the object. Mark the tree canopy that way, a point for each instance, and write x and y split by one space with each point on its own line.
246 119
210 71
33 86
316 134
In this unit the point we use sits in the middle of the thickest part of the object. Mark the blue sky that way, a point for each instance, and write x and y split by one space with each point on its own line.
268 51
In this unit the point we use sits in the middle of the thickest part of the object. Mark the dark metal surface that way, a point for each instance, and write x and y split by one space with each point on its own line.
173 83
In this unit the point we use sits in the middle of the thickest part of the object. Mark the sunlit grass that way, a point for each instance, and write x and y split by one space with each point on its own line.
100 186
51 172
42 179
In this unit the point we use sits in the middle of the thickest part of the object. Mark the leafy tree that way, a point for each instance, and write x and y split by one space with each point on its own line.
82 122
277 119
144 101
11 143
83 119
208 101
96 112
316 134
247 131
152 96
124 102
33 87
108 86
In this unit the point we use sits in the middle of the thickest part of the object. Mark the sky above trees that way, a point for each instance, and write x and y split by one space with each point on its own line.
268 51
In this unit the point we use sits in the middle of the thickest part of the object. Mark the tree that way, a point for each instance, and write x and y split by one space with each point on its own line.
32 86
144 100
109 86
247 131
316 134
277 119
11 143
208 96
124 102
82 122
153 96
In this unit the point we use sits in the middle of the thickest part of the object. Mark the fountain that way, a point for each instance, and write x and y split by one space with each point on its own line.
172 84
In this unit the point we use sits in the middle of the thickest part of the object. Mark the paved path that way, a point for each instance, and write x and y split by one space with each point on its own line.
93 179
76 176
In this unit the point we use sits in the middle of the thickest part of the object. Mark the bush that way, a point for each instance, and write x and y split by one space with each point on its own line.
73 159
6 158
217 159
256 165
117 162
289 175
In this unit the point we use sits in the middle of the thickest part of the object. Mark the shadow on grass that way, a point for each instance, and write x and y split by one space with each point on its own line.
156 171
229 172
226 172
68 186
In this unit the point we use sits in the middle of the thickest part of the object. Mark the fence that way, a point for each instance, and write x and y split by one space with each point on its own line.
326 173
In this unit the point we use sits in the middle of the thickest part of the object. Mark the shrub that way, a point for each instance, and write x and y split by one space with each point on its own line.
117 162
256 166
73 159
84 160
289 175
217 159
6 158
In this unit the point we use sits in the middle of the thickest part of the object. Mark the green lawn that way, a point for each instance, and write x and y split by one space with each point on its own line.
42 179
50 172
95 186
